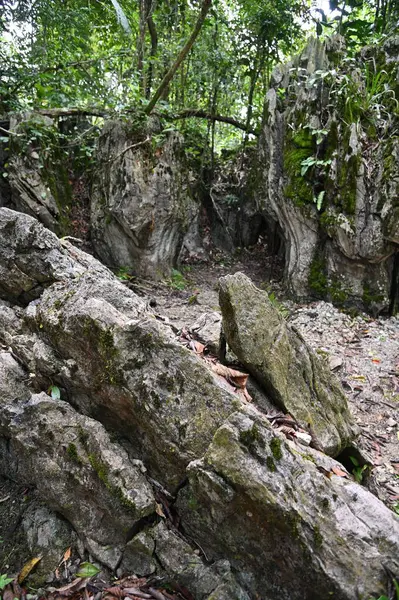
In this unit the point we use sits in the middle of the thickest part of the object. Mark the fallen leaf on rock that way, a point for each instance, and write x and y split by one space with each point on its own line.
237 378
86 569
27 568
197 346
75 586
67 554
339 472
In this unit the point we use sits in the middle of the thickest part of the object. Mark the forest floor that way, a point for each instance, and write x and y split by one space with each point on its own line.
362 351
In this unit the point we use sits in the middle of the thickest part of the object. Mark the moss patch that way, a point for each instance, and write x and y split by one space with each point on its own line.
275 446
73 454
318 276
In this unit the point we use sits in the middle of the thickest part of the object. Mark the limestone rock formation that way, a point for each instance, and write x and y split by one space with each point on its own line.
283 519
142 205
141 416
287 368
329 159
39 187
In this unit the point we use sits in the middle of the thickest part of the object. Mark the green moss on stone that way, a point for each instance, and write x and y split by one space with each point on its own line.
99 467
347 183
317 276
102 473
318 540
250 436
298 147
275 446
271 464
103 340
72 453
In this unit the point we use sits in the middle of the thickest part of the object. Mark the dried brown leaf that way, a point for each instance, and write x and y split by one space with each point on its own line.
339 472
67 554
75 586
116 591
9 595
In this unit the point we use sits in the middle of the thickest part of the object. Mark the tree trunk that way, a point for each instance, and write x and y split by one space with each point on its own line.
154 47
206 4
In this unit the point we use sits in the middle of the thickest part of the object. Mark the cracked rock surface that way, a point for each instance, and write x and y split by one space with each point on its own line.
155 465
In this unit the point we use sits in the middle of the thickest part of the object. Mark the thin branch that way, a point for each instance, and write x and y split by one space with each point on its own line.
69 112
10 132
113 159
202 114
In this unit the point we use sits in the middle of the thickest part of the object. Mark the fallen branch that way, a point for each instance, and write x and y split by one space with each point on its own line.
8 132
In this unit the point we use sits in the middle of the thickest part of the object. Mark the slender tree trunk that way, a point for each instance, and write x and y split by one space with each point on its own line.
154 47
144 12
206 4
254 78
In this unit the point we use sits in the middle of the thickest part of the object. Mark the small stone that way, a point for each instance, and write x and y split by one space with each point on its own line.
391 422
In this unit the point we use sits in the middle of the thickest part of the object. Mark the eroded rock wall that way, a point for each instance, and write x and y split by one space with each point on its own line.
142 203
329 153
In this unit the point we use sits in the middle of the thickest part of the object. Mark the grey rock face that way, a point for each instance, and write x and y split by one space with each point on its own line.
76 469
288 530
31 194
47 535
279 358
330 186
142 205
271 516
207 329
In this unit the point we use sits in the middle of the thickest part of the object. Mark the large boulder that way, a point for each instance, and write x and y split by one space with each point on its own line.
283 363
329 163
291 528
142 205
142 418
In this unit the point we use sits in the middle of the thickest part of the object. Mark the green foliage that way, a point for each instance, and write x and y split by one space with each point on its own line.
54 392
87 569
177 280
4 580
358 470
124 274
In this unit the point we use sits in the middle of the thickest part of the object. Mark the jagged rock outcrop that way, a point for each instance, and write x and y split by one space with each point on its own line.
37 174
142 205
282 362
329 157
138 415
290 528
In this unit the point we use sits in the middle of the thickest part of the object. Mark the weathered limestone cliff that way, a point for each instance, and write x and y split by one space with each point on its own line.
141 205
329 156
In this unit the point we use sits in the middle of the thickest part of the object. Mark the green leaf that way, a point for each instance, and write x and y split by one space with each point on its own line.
55 392
4 580
87 570
319 200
